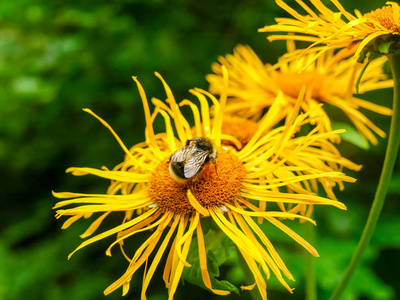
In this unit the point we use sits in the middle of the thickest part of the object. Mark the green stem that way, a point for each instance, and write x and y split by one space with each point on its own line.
383 185
311 283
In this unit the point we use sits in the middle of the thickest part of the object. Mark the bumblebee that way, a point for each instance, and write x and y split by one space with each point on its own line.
188 162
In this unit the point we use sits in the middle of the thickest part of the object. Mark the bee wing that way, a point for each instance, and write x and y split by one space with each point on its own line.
195 163
183 154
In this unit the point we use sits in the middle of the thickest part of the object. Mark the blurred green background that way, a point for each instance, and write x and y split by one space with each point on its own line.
57 57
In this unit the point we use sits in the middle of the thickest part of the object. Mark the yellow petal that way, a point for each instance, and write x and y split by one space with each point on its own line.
203 263
93 227
115 229
113 175
111 130
149 124
158 256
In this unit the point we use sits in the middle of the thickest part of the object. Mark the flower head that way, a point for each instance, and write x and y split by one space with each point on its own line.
264 170
329 79
339 29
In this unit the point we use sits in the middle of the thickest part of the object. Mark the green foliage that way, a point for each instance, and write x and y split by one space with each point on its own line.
351 135
59 57
384 47
218 250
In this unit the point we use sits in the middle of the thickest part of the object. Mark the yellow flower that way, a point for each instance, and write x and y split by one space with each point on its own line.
245 181
329 79
337 29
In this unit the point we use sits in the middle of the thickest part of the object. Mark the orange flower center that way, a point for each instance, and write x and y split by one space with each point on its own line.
240 128
385 17
209 189
291 83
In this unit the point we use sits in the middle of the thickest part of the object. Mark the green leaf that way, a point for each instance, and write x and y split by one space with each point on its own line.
384 47
205 224
351 135
218 247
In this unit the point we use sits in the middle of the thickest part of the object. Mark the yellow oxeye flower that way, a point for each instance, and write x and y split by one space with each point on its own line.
329 79
232 198
319 155
329 29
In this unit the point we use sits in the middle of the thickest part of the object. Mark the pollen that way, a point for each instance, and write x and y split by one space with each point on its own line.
217 189
240 128
211 188
291 83
385 17
167 193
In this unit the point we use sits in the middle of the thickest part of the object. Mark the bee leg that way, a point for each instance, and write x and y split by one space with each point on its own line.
215 165
195 177
216 171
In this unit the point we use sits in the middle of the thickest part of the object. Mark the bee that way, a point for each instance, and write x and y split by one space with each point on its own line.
188 162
